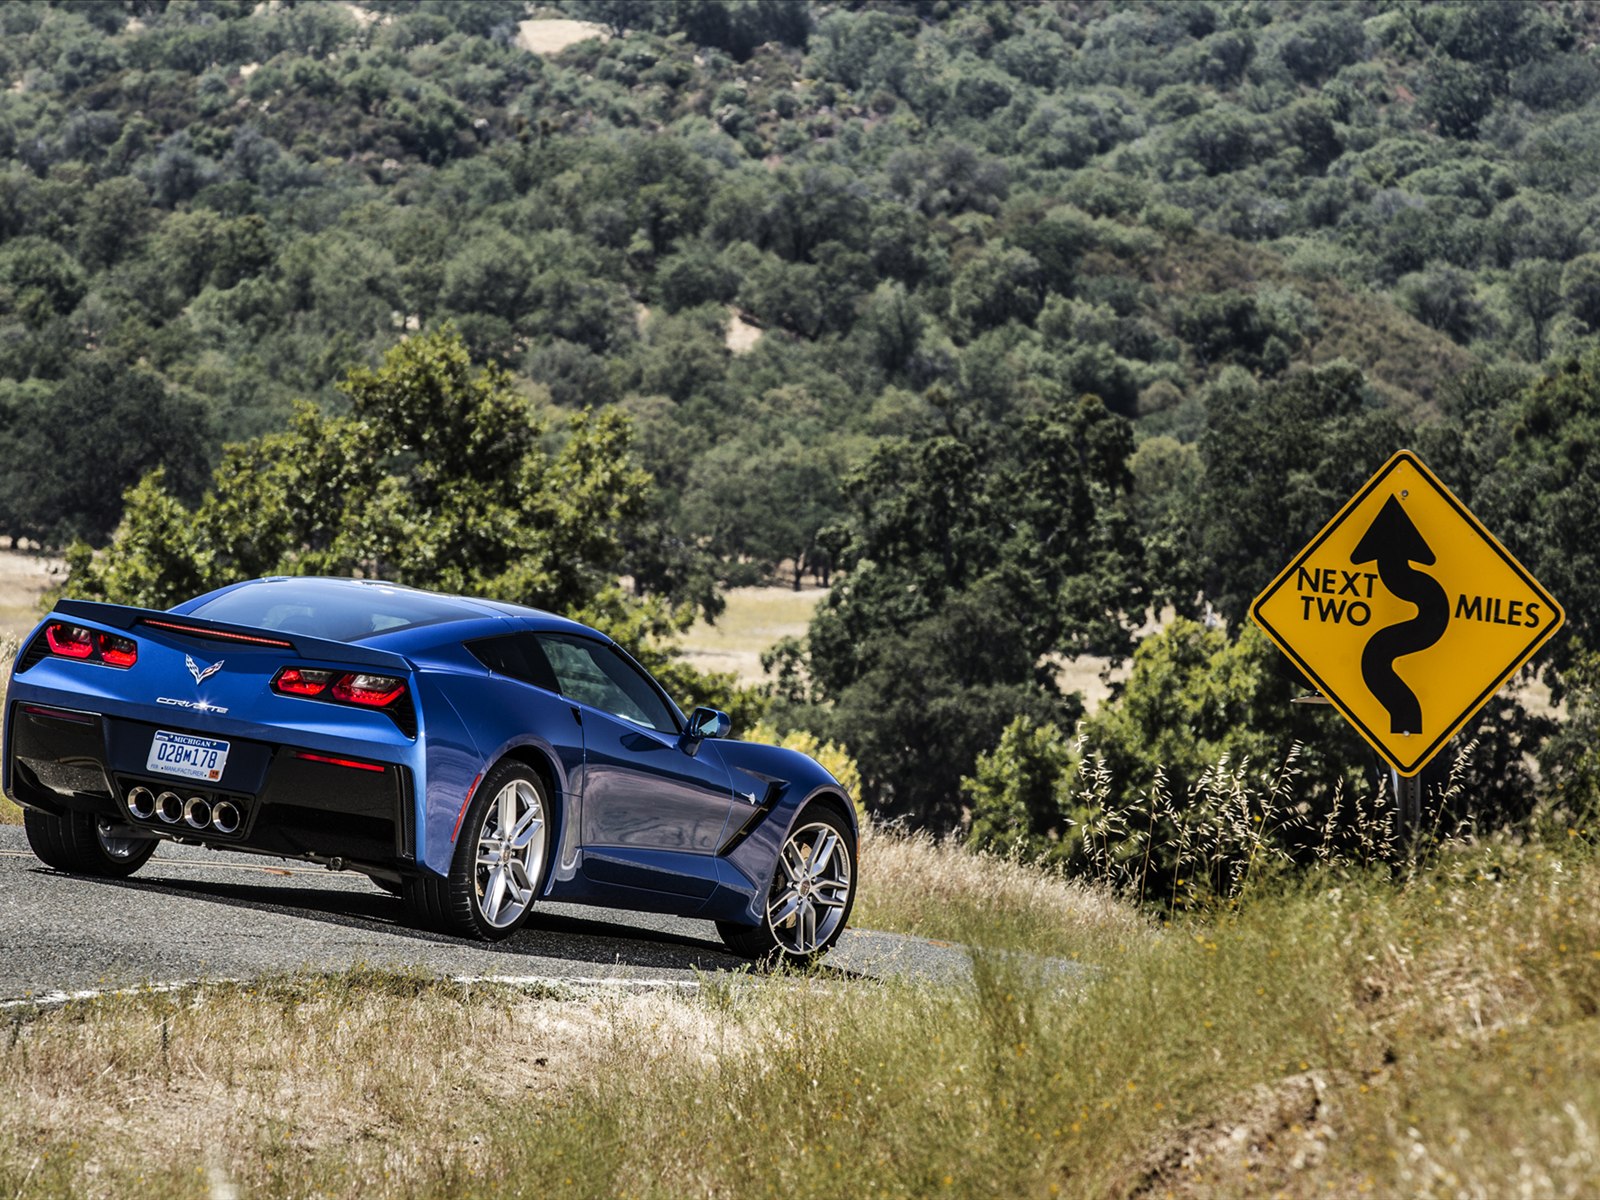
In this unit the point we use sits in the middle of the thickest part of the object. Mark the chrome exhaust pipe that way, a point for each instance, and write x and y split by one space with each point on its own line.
197 812
226 817
169 807
141 803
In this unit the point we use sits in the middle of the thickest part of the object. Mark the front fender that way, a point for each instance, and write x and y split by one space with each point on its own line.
784 783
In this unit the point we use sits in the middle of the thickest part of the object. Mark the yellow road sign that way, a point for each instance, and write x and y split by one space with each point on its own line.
1406 613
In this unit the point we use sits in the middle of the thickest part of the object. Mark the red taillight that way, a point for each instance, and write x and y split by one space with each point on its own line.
298 681
90 645
118 651
347 687
370 691
69 641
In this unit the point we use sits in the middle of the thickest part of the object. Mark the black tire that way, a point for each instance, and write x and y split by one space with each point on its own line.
76 843
782 941
468 902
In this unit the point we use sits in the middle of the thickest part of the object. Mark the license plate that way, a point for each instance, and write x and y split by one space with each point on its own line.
191 757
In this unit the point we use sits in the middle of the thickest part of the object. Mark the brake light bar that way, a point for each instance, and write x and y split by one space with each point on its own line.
59 714
337 762
218 635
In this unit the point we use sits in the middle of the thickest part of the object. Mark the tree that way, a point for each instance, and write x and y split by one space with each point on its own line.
1534 290
1580 289
1280 459
970 563
998 284
38 280
1456 96
438 478
73 447
1542 494
1442 297
766 502
1014 790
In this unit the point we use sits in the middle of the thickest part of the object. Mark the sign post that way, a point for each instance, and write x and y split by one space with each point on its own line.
1407 614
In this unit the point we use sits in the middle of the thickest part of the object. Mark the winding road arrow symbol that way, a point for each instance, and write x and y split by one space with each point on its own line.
1394 543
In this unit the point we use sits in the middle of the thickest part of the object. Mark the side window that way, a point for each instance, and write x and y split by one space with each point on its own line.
518 656
593 673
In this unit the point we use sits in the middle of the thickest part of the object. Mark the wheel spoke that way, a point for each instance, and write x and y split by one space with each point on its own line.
527 829
519 883
494 893
783 908
507 816
795 874
827 843
528 817
806 935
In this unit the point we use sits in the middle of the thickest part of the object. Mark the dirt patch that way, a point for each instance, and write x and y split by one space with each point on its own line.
742 335
365 17
552 35
1273 1132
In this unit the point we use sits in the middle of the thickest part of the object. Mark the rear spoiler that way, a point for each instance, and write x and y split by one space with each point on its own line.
121 616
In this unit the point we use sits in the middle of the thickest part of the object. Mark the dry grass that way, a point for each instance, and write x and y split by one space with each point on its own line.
1352 1032
24 579
917 884
755 619
307 1083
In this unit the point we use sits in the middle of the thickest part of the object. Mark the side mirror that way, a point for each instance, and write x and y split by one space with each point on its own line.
709 723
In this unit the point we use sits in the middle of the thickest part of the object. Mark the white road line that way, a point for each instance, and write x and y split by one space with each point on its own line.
166 863
56 999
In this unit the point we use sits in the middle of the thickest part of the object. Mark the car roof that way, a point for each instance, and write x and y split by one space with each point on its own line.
421 607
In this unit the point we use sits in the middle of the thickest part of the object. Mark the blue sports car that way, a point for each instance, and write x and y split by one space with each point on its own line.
471 756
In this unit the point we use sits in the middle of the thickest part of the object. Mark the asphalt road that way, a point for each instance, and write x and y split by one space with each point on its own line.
192 913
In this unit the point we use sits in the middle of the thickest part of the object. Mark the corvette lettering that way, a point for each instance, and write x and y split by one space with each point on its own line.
196 705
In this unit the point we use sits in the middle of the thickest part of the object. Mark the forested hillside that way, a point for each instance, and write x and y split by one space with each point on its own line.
1025 319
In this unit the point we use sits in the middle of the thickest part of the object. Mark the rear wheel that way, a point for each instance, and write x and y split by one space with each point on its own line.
86 845
502 856
813 889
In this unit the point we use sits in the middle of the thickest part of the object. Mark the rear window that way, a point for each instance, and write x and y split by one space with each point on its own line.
340 613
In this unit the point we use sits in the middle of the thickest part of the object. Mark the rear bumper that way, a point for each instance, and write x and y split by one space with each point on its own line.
287 799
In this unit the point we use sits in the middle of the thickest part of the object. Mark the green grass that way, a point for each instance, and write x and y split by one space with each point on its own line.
1348 1032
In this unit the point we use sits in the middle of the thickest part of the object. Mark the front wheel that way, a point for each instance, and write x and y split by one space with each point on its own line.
500 861
813 890
86 845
